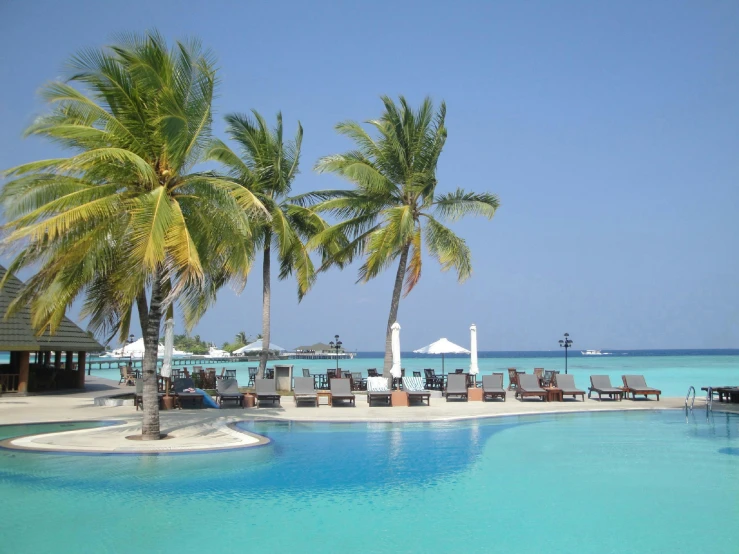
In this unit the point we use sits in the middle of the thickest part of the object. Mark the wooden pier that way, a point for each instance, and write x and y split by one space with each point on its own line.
319 355
115 363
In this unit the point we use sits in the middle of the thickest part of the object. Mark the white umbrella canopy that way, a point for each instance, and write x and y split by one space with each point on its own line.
395 370
257 346
442 346
474 370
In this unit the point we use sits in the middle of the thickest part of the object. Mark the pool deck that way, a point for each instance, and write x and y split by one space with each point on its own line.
209 429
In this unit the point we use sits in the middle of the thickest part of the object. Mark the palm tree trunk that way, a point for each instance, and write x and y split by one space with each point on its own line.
397 289
151 330
265 307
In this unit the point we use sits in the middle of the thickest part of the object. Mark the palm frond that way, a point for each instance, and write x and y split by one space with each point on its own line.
449 250
457 204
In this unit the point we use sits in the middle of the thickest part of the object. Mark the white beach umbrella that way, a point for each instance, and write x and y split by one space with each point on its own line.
168 348
395 370
474 370
442 346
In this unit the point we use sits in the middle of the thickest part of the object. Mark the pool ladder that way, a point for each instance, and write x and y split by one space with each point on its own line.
689 407
690 401
709 400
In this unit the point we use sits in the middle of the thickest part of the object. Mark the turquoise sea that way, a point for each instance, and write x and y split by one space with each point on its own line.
672 371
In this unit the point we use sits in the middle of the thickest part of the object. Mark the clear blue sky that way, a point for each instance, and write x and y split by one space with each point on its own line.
608 129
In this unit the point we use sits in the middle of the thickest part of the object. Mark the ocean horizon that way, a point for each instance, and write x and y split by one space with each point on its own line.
672 371
573 353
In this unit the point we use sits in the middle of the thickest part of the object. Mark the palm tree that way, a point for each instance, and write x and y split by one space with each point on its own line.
267 166
394 208
241 338
124 220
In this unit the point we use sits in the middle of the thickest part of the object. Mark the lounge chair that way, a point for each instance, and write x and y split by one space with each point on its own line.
138 397
304 390
492 386
602 385
358 382
512 378
179 392
414 387
635 384
228 389
128 377
456 385
340 390
731 394
252 376
266 390
566 383
528 385
433 381
376 389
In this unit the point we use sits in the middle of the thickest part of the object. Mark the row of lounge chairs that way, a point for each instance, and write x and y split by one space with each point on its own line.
601 384
378 389
183 391
529 386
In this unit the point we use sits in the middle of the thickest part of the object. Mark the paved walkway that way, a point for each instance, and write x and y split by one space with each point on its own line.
209 429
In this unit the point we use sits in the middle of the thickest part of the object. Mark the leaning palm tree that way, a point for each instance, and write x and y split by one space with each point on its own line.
125 221
266 165
394 208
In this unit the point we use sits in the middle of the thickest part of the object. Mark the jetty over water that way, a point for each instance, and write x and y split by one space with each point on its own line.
186 361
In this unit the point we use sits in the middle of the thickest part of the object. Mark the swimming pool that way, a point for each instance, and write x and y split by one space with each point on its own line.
598 482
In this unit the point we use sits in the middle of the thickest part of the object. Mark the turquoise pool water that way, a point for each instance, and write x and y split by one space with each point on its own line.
605 482
672 374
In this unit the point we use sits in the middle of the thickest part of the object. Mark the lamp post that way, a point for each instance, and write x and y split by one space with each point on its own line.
566 343
336 345
130 356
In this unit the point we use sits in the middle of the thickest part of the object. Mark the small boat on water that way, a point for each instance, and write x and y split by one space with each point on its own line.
593 353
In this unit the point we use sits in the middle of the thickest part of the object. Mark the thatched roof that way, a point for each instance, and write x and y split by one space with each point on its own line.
318 347
17 334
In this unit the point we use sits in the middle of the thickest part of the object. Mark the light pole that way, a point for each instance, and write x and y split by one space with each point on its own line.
336 346
130 356
566 343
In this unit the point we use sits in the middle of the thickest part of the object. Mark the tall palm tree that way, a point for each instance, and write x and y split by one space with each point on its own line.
394 208
242 338
267 165
125 221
